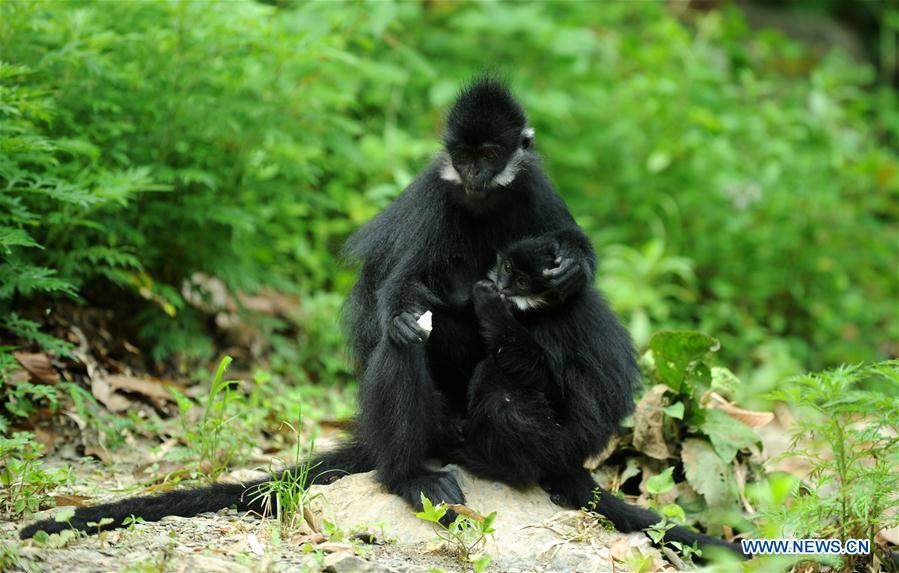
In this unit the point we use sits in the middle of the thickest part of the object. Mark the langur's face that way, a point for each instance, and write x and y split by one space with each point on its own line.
479 165
482 166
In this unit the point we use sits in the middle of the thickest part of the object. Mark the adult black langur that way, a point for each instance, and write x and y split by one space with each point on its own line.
422 253
558 379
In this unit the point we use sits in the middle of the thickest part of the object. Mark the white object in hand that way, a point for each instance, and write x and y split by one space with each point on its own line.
424 321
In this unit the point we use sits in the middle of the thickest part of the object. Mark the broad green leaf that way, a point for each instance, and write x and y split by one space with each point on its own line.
727 434
708 473
723 380
674 511
675 351
64 515
660 483
675 410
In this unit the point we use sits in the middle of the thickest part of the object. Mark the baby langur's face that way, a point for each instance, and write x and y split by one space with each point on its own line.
519 278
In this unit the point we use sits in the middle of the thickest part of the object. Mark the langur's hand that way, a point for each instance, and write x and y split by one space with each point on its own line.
413 324
407 329
569 273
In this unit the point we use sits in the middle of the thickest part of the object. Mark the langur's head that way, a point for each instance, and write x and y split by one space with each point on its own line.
486 138
519 274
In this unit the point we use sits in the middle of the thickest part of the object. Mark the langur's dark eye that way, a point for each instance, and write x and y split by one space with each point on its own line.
526 142
522 282
507 267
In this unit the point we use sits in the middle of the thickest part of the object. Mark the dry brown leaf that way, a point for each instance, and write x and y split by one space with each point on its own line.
16 376
71 500
334 547
314 539
149 387
46 437
311 519
594 462
648 423
336 424
466 511
38 365
751 418
103 391
269 302
99 453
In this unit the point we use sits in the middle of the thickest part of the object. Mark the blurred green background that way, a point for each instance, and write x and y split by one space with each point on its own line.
735 180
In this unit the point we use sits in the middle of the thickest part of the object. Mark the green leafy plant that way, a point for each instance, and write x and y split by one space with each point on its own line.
852 491
24 482
213 442
674 422
467 534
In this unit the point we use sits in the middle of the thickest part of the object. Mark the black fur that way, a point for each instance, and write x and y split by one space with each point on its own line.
558 379
424 252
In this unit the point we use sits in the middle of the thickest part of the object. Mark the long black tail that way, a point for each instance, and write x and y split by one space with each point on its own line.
349 458
629 518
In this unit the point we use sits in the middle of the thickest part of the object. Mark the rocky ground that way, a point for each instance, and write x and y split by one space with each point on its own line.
532 534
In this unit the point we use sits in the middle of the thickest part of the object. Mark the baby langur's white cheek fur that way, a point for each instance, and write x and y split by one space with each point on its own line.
527 302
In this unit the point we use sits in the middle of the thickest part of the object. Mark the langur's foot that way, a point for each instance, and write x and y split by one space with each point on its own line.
437 486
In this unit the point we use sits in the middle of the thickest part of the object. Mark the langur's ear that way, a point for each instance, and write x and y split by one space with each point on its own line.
527 138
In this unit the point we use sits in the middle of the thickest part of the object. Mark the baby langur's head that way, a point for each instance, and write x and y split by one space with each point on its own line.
518 274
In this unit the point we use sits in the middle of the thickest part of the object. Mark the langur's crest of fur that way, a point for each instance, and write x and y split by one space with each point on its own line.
484 111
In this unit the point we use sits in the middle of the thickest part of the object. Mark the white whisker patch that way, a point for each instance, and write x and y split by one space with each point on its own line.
448 172
508 174
491 274
527 302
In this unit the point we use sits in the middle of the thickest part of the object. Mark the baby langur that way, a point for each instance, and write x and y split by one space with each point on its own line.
557 381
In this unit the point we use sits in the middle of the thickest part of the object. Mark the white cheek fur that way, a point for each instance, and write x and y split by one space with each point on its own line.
527 302
501 179
508 174
448 172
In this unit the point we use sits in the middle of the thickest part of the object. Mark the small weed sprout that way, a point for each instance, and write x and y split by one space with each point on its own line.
467 534
99 525
205 440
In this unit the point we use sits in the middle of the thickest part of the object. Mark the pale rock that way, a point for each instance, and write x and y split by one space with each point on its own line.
532 533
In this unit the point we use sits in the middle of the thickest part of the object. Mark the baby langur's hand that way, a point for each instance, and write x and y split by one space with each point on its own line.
484 292
488 301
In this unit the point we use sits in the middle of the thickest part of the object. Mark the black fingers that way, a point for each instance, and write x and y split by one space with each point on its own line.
568 277
484 293
405 330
